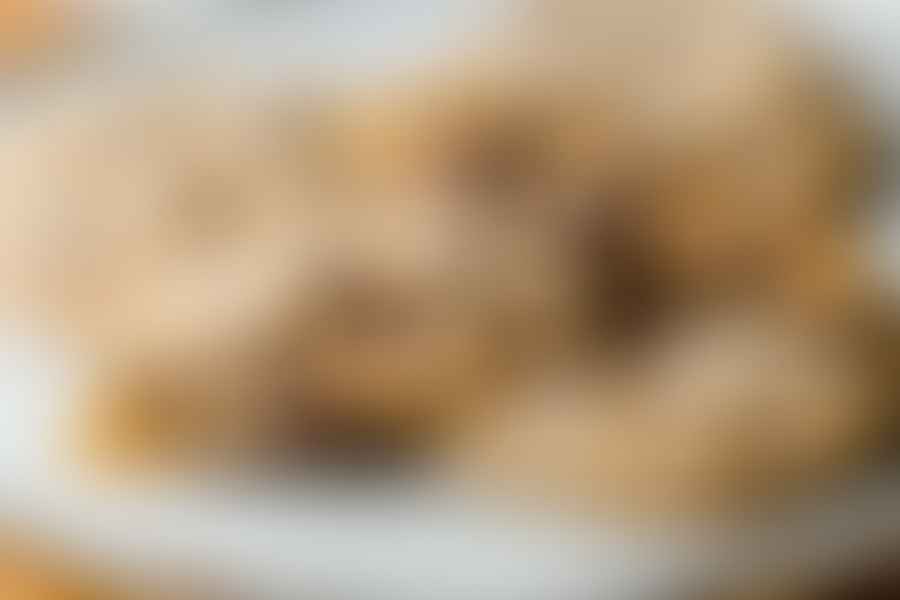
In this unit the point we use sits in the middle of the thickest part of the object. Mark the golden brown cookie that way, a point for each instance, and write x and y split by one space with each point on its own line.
721 417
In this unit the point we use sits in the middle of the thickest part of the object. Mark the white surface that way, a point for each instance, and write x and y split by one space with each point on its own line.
391 544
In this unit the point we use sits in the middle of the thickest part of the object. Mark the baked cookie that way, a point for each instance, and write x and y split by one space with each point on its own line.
232 299
721 416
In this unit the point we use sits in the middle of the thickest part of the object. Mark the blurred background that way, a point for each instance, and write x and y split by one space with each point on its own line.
257 533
